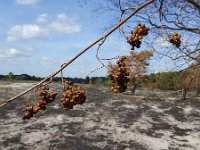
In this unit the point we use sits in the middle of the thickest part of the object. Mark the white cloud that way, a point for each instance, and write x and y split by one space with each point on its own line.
65 24
124 48
43 18
27 2
66 28
29 31
161 42
62 17
13 53
47 60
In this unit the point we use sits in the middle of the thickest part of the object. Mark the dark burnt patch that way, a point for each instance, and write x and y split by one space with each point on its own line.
177 113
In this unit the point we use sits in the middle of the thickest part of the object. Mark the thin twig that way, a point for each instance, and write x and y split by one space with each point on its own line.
95 70
79 54
62 77
97 54
116 57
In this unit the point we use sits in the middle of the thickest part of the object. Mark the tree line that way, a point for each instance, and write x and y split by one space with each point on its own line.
160 81
179 80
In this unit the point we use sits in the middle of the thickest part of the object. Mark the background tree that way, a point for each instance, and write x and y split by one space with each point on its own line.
87 80
137 64
11 76
190 79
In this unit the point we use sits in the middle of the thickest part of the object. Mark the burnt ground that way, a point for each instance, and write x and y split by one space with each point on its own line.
106 121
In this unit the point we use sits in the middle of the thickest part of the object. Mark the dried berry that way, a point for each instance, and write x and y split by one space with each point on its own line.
41 104
137 35
28 111
72 95
27 115
118 74
35 109
175 39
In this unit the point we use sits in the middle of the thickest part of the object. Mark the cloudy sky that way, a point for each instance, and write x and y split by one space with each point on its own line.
37 36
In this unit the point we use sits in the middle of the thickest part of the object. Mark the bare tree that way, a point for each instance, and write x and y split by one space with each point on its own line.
137 64
165 18
190 79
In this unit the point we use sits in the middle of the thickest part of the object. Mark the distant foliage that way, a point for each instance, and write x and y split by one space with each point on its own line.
161 81
12 76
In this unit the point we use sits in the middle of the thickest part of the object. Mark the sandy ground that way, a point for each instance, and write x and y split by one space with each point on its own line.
106 121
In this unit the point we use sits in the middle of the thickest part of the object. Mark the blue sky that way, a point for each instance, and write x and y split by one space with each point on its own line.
37 36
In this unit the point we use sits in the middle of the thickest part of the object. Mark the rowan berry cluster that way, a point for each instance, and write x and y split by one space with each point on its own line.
72 95
175 39
119 76
45 98
28 111
137 35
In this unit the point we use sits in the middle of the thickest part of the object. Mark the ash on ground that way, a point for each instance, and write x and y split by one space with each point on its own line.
106 121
